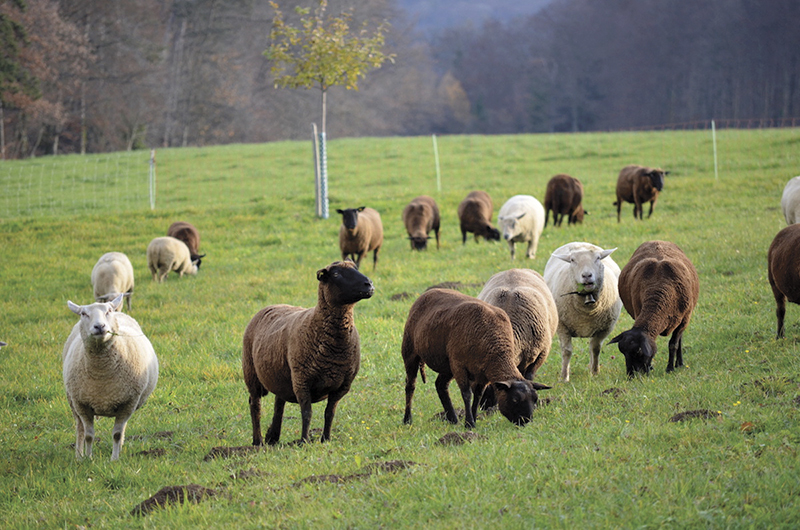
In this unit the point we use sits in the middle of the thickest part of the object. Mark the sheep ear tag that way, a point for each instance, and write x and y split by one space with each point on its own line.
322 275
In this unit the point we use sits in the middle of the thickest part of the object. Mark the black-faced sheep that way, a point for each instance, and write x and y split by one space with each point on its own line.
305 355
790 201
112 275
563 196
659 287
583 280
521 219
165 254
638 185
475 216
461 337
361 231
783 260
528 302
187 233
421 216
110 369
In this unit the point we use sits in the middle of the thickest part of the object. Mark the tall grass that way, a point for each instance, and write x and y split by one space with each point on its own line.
602 453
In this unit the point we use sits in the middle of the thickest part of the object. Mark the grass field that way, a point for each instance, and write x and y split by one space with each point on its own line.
602 453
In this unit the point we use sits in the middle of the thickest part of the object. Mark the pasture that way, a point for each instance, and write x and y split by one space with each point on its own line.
602 451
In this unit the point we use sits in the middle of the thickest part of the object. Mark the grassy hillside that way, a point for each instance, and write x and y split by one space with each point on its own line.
601 453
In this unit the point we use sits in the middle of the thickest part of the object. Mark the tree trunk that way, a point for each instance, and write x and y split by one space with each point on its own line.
324 108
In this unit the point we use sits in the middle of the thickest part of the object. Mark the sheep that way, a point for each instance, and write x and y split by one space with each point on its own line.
165 254
522 219
187 233
305 355
470 340
109 369
638 185
583 280
475 215
2 344
361 231
659 287
112 275
420 216
528 302
563 196
790 201
783 260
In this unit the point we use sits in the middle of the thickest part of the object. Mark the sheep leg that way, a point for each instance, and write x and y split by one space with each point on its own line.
511 248
305 416
594 361
330 412
675 351
412 366
469 410
273 434
780 306
566 354
652 205
375 258
255 419
79 434
118 435
88 435
618 204
442 381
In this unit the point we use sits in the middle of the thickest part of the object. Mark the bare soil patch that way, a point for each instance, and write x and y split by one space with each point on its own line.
459 438
689 414
172 495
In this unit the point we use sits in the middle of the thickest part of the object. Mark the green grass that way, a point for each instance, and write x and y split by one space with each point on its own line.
589 458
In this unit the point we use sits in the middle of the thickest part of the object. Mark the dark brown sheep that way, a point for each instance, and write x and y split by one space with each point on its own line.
421 216
783 261
563 196
638 185
659 287
361 231
305 355
187 233
464 338
475 216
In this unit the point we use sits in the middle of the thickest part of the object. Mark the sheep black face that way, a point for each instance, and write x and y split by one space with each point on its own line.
517 399
493 234
197 259
350 217
419 243
345 285
657 178
638 350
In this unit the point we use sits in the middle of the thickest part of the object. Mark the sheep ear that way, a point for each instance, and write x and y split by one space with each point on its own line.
564 257
520 216
340 211
116 303
322 275
666 173
540 386
360 208
502 385
615 339
606 253
75 308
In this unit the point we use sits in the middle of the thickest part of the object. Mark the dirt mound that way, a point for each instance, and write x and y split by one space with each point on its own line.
689 414
459 438
171 495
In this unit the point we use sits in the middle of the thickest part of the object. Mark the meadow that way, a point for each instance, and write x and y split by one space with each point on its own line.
600 453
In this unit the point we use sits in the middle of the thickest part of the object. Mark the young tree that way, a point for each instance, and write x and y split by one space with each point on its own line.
323 52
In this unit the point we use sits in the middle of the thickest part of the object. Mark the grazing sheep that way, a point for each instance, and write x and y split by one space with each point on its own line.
464 338
790 201
583 280
421 216
475 215
526 299
2 344
659 287
305 355
165 254
361 231
112 275
187 233
783 260
564 195
110 369
522 219
638 185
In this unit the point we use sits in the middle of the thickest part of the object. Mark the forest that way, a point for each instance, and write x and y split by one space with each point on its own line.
89 76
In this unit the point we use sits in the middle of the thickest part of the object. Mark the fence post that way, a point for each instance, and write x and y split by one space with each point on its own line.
152 179
317 184
323 175
714 141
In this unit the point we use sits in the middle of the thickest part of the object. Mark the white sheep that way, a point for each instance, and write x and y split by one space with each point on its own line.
165 254
110 369
790 201
521 219
583 280
112 275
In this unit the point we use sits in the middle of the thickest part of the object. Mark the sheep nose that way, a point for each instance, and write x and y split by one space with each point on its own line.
588 277
99 329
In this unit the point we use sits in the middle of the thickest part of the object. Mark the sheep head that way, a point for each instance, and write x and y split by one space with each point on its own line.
517 398
350 217
638 349
657 178
98 322
491 233
510 225
342 284
419 242
588 271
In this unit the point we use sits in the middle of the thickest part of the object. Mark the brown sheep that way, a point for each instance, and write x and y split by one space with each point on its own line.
783 261
659 287
464 338
361 231
563 196
638 185
187 233
475 215
305 355
421 216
